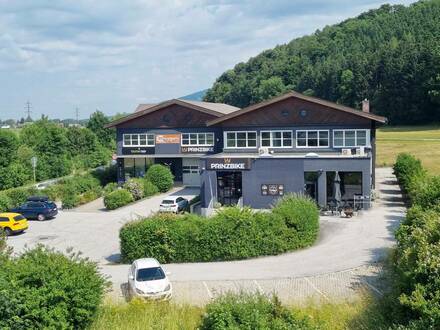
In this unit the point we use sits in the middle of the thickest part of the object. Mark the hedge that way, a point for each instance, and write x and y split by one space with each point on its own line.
231 234
251 311
160 176
415 298
118 198
43 289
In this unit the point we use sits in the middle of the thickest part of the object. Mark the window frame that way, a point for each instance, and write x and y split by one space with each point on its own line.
317 137
356 130
271 138
189 144
225 140
138 140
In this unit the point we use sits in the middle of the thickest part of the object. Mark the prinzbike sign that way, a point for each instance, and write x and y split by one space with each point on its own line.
231 164
188 150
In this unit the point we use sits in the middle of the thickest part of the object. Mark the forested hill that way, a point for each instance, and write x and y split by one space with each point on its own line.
390 56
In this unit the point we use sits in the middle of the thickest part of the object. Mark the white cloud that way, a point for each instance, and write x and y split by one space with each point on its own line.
111 54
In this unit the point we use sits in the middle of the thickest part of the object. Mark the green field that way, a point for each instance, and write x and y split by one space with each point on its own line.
421 141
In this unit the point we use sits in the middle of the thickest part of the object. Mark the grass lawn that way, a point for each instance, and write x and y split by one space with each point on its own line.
364 313
421 141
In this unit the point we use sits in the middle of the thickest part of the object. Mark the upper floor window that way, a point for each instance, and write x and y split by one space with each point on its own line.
351 138
312 139
276 139
244 139
198 139
138 140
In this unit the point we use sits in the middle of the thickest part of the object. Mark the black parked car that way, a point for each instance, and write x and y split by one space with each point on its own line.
37 207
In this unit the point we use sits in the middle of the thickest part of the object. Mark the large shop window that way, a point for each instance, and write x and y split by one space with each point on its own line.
198 139
349 185
351 138
136 167
138 140
241 139
276 139
312 139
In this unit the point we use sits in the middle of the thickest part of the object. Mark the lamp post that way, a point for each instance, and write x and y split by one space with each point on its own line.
34 160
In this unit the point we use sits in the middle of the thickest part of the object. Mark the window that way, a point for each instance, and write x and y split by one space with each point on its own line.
351 138
198 139
276 139
312 139
243 139
138 140
190 169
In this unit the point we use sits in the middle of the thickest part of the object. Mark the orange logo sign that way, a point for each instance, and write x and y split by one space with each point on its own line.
168 139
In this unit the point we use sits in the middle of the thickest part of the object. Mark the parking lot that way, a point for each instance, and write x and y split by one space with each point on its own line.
344 258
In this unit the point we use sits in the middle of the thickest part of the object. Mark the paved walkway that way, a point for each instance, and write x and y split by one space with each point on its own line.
344 258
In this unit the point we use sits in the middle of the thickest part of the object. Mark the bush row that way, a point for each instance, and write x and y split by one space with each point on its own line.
231 234
416 259
43 289
158 178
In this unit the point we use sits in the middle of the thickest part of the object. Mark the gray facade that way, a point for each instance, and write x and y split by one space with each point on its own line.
253 173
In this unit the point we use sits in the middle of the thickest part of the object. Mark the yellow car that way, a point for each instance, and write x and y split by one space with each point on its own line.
12 223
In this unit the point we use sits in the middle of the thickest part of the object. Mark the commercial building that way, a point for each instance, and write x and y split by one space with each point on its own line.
252 156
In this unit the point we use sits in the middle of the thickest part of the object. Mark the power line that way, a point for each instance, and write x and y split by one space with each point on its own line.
77 115
28 108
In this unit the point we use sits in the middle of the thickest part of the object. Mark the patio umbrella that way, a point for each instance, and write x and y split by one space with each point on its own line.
337 189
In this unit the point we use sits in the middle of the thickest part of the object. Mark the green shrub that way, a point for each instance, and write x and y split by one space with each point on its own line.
406 168
149 188
161 177
5 202
117 199
43 289
251 311
135 187
231 234
70 200
425 191
53 192
301 214
416 266
110 187
19 195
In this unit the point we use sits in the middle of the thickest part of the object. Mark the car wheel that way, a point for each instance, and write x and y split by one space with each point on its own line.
8 231
41 217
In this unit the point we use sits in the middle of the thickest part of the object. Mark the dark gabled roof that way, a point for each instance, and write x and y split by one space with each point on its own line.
316 100
214 109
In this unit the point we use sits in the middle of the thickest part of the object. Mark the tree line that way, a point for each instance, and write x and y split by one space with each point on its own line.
389 55
59 150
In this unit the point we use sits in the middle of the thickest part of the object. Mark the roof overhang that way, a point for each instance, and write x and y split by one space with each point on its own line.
297 95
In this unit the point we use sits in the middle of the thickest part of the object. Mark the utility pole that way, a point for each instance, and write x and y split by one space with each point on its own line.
77 115
28 110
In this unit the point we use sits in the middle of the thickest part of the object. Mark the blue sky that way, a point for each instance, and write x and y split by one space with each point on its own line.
111 55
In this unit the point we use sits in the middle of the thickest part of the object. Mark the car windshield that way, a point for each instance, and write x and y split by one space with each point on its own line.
150 274
51 205
19 217
167 201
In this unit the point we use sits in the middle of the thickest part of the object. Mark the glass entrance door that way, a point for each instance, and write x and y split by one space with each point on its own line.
229 187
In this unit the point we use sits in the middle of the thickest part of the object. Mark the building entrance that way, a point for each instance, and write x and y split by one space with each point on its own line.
229 187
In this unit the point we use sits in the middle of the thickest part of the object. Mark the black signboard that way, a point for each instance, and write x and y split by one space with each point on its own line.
272 189
138 151
228 164
188 150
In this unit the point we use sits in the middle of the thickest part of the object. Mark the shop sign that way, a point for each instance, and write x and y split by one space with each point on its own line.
188 150
272 189
138 151
220 164
168 139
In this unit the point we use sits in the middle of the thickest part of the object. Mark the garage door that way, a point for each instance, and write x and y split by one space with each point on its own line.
190 171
